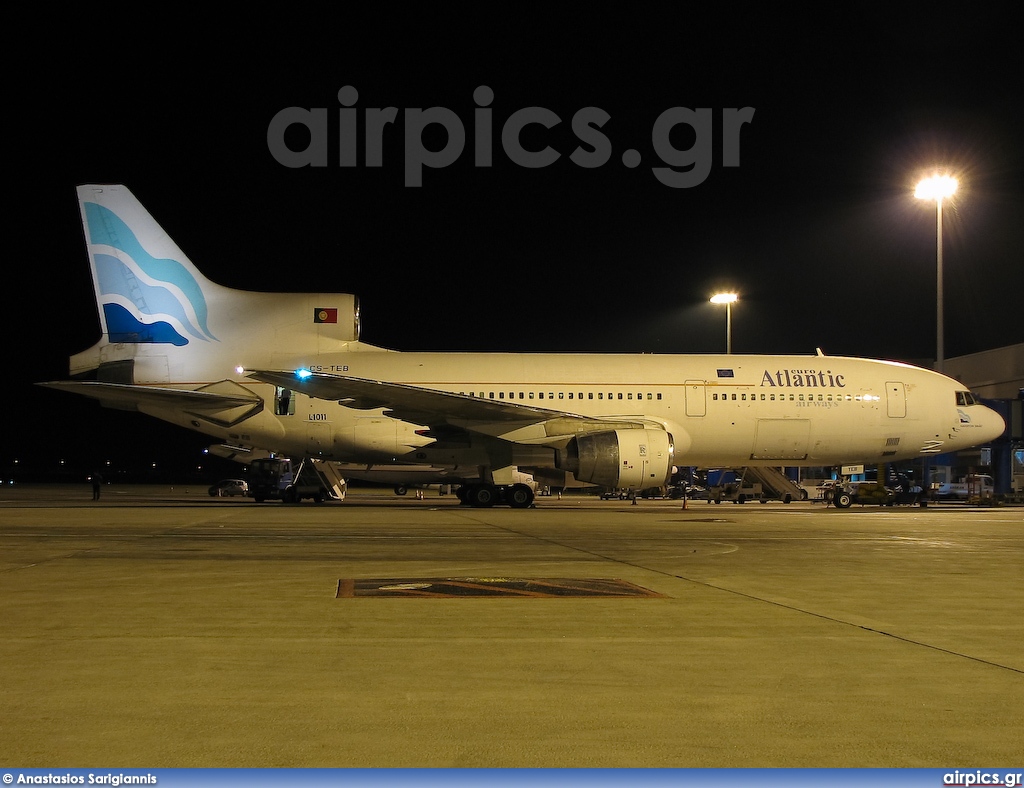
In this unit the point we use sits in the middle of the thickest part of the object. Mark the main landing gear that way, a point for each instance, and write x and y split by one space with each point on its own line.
481 496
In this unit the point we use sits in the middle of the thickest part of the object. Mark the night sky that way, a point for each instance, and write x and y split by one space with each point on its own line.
817 228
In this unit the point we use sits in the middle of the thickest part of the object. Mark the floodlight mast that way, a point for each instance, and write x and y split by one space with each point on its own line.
938 187
728 299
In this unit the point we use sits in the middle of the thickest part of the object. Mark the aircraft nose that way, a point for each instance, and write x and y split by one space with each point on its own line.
992 424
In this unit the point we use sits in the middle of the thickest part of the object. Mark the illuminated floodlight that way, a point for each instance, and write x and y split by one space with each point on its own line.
728 299
302 374
936 187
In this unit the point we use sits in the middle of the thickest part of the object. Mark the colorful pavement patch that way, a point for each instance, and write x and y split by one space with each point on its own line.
507 587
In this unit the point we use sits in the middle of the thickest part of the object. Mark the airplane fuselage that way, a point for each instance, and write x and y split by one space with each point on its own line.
763 410
287 373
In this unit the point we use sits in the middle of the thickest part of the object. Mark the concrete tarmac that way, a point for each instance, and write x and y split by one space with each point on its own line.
162 628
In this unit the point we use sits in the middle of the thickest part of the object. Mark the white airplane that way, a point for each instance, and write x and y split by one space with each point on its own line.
286 372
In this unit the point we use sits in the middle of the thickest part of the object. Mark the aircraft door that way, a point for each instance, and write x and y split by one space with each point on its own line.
781 439
696 398
896 399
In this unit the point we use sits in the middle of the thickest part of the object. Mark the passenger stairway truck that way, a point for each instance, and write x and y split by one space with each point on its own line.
732 486
278 478
755 484
776 483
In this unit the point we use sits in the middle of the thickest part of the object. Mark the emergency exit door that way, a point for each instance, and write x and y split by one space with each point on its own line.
696 403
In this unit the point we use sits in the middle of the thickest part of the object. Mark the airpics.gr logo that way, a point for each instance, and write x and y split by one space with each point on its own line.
683 168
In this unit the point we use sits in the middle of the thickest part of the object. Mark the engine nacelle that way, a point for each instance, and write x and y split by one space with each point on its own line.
639 459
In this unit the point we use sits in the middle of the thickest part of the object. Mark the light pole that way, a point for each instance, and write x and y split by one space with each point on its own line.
728 299
937 187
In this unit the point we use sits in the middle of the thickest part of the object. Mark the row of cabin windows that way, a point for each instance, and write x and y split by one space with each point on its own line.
792 397
284 402
563 395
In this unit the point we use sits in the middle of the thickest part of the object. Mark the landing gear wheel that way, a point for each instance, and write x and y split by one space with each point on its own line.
843 500
401 489
482 496
520 496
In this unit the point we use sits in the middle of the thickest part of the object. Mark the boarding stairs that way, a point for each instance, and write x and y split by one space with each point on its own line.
323 473
776 483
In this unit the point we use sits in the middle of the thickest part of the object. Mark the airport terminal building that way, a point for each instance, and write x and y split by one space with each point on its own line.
997 376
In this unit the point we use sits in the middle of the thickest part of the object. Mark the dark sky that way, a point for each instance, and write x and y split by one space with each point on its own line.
817 228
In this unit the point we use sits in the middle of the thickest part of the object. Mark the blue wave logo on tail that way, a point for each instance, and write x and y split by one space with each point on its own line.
145 299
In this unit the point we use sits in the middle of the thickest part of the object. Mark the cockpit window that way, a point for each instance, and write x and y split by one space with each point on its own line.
966 398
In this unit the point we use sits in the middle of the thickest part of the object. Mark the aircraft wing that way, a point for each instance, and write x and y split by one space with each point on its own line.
430 407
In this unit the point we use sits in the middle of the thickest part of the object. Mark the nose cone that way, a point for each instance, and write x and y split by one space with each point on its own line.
988 425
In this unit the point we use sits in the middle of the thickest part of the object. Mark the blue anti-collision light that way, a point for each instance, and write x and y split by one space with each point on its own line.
302 374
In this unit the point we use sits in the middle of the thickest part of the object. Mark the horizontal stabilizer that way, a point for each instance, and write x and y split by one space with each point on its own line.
242 454
223 402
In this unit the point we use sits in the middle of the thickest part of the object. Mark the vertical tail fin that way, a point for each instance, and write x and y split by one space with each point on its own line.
147 290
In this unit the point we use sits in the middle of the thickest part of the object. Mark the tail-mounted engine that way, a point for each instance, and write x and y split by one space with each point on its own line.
639 459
